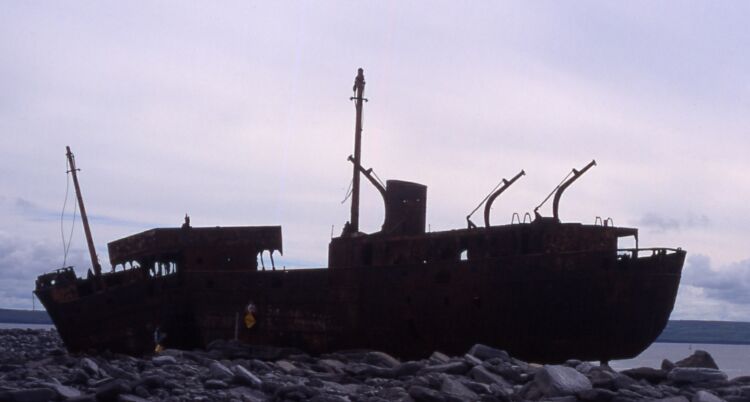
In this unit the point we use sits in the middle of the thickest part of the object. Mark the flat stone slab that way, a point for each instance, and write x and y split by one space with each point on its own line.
695 375
561 381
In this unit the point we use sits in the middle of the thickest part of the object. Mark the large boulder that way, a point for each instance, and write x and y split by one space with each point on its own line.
484 352
699 358
561 381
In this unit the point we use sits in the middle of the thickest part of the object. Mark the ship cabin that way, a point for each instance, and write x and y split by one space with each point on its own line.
403 239
165 251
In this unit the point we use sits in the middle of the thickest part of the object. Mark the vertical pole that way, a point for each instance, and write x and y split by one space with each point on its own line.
359 90
84 217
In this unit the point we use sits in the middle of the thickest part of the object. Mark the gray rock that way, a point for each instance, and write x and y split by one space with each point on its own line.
220 372
395 394
286 366
247 395
110 390
699 358
141 391
651 375
90 366
584 367
457 367
32 395
481 374
328 398
454 388
64 391
672 399
84 398
245 376
439 357
621 381
484 352
214 383
333 366
705 396
130 398
116 372
424 394
477 387
569 398
408 368
381 359
627 394
561 381
647 391
596 395
295 392
530 391
153 381
508 371
473 360
695 375
163 360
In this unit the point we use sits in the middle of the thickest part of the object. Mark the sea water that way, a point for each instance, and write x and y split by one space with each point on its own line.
9 325
734 360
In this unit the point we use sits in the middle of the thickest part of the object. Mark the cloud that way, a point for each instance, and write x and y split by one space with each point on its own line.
659 223
35 212
729 283
721 293
22 260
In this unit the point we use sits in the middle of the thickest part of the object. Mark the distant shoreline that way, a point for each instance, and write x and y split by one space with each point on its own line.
715 332
11 316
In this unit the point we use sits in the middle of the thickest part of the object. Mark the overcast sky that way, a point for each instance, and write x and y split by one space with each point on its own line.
239 114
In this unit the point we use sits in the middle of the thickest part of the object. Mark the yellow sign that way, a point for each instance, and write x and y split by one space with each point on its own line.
249 320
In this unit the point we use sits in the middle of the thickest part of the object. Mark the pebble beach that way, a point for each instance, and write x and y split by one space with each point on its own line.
34 366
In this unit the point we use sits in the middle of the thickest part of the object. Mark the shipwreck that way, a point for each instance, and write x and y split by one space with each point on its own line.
542 289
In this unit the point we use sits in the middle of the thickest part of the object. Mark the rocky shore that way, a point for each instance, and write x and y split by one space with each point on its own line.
34 366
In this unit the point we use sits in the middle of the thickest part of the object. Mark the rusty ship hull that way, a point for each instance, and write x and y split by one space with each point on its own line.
411 311
540 306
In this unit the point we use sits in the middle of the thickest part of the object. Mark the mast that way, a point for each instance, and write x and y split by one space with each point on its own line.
84 217
359 90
